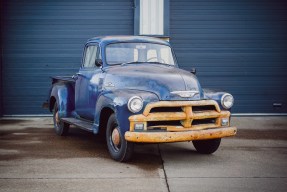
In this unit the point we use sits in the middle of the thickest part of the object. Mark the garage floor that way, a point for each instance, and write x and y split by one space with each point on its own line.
33 158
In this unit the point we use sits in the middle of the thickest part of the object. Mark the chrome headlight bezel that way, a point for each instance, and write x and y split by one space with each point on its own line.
227 101
132 105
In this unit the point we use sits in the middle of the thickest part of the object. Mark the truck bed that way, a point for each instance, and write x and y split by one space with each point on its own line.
56 79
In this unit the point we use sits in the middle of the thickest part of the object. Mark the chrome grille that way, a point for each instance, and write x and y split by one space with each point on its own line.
181 115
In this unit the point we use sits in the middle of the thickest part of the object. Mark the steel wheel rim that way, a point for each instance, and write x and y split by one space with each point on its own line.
57 121
115 142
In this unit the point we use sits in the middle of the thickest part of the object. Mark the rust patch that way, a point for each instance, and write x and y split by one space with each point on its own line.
167 137
275 134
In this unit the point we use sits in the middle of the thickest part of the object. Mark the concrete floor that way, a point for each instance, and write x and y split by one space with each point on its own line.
33 158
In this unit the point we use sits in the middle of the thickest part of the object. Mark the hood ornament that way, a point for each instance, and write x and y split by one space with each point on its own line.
185 94
109 85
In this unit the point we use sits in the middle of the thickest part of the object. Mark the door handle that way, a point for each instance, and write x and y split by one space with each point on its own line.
75 77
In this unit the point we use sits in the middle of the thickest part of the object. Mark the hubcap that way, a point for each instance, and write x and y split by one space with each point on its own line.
116 137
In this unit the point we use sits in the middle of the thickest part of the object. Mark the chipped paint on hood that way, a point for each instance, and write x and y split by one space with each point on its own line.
155 78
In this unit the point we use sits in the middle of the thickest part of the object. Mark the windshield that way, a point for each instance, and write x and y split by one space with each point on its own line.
124 53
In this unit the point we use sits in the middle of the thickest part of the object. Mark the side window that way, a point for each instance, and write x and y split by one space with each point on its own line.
90 56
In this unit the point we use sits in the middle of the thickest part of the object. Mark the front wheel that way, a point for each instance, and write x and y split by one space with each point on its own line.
206 146
61 128
120 149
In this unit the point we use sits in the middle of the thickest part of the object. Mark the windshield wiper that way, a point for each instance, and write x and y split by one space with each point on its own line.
131 62
139 62
156 62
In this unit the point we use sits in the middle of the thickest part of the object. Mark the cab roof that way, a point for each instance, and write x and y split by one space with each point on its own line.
104 40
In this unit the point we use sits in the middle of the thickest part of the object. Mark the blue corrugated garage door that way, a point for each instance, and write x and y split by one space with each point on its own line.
42 38
237 45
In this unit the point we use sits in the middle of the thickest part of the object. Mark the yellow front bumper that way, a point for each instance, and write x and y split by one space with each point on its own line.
168 137
184 129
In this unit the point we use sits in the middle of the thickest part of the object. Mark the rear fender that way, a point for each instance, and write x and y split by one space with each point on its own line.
64 94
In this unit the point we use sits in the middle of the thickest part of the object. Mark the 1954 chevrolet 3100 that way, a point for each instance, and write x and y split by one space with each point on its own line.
130 88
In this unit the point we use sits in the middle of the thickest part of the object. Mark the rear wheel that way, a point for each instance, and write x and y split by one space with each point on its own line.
61 128
119 148
206 146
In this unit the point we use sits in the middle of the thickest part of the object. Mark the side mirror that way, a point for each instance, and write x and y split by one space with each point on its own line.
193 71
98 62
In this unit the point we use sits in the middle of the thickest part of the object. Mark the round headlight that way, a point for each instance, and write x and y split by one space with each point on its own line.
135 104
227 101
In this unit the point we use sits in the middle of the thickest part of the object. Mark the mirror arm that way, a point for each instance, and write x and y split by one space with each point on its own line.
98 62
193 71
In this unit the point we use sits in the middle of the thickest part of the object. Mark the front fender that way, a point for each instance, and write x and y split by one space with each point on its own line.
65 98
214 95
117 101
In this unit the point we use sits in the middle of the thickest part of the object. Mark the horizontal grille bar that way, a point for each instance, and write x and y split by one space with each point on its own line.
180 104
177 116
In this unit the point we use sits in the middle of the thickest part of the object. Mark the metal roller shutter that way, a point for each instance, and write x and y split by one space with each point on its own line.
237 45
42 38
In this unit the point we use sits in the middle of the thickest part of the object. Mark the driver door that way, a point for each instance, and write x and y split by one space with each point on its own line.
87 83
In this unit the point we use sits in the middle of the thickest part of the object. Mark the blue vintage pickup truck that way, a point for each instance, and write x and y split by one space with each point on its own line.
130 88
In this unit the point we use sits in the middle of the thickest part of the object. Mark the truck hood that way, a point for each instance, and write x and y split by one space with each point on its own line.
167 82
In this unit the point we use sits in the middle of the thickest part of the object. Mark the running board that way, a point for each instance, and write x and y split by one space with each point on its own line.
86 125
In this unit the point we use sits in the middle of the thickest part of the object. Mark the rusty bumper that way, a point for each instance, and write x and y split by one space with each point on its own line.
168 137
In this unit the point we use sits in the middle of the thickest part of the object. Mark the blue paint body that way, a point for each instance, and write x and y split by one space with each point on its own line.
86 95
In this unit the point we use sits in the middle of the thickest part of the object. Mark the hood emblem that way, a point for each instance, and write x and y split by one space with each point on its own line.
185 94
109 84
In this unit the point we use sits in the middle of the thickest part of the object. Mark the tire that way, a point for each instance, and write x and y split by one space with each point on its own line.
206 146
119 149
61 128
